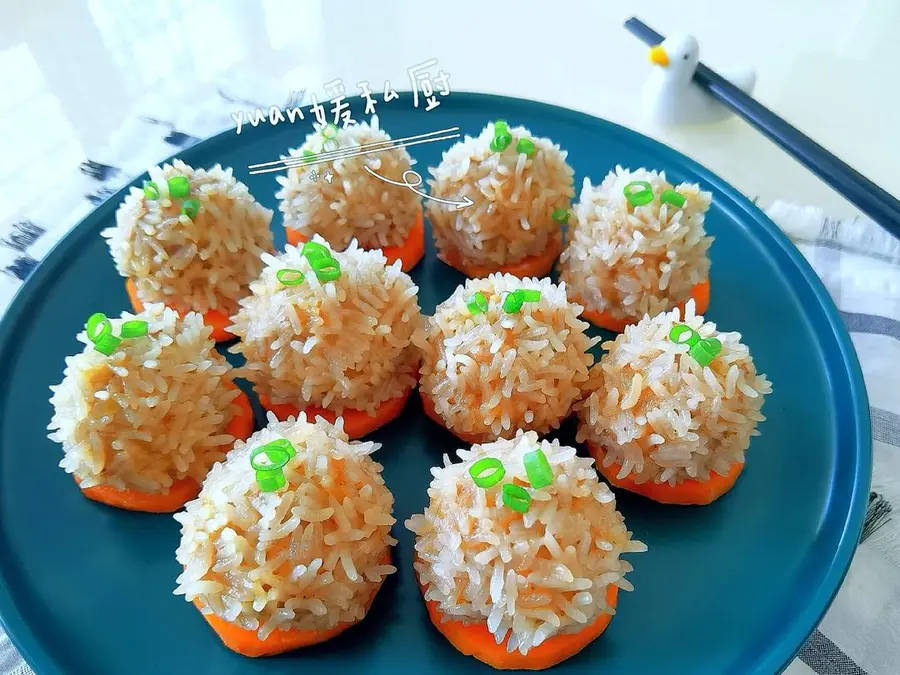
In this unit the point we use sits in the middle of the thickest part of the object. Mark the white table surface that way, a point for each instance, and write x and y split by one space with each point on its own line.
73 71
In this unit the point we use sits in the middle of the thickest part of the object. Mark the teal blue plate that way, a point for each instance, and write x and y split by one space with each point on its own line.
735 587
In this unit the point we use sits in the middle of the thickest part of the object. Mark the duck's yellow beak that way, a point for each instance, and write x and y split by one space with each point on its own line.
658 56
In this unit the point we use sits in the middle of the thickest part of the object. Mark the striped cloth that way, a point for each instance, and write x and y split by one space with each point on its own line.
859 263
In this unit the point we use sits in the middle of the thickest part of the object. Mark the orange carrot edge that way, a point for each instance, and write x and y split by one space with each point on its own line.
357 423
538 265
409 253
213 318
247 643
474 639
690 492
699 293
181 491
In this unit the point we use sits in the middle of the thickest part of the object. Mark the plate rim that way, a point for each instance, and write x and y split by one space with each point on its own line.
788 643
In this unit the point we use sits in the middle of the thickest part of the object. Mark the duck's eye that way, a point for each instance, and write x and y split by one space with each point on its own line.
685 57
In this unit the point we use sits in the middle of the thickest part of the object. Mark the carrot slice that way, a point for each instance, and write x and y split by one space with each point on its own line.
181 491
409 253
247 642
357 423
538 265
699 293
213 318
429 410
688 492
474 639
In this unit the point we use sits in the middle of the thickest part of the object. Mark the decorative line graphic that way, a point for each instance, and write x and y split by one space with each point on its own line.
412 186
345 153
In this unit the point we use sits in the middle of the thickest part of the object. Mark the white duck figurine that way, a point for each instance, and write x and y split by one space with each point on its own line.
670 97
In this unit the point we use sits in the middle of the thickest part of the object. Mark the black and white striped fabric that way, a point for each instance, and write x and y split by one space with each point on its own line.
859 263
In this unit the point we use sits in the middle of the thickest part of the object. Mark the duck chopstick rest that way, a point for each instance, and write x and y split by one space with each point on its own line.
671 98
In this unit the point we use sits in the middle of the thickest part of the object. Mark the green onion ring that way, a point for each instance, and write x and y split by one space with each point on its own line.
512 303
500 126
179 186
133 329
501 142
487 472
282 444
151 190
312 250
538 469
106 344
516 497
97 326
560 216
673 198
330 131
525 145
638 192
327 269
684 335
289 276
704 351
275 452
530 295
270 481
190 208
478 304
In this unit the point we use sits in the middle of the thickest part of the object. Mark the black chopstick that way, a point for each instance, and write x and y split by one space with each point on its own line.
872 200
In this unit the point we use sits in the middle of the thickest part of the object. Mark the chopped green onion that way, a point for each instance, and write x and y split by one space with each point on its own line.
500 126
639 192
512 303
684 335
330 131
525 145
133 329
501 142
327 269
673 198
478 304
312 250
560 216
309 153
281 445
151 190
529 295
516 497
289 277
270 481
538 469
190 208
705 351
97 326
179 186
270 476
487 472
107 344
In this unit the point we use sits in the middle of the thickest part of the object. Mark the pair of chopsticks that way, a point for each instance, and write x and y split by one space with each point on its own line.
872 200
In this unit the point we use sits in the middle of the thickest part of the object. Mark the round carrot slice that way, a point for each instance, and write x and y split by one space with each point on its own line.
474 639
699 293
688 492
357 423
181 491
215 319
247 642
533 266
409 253
429 409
